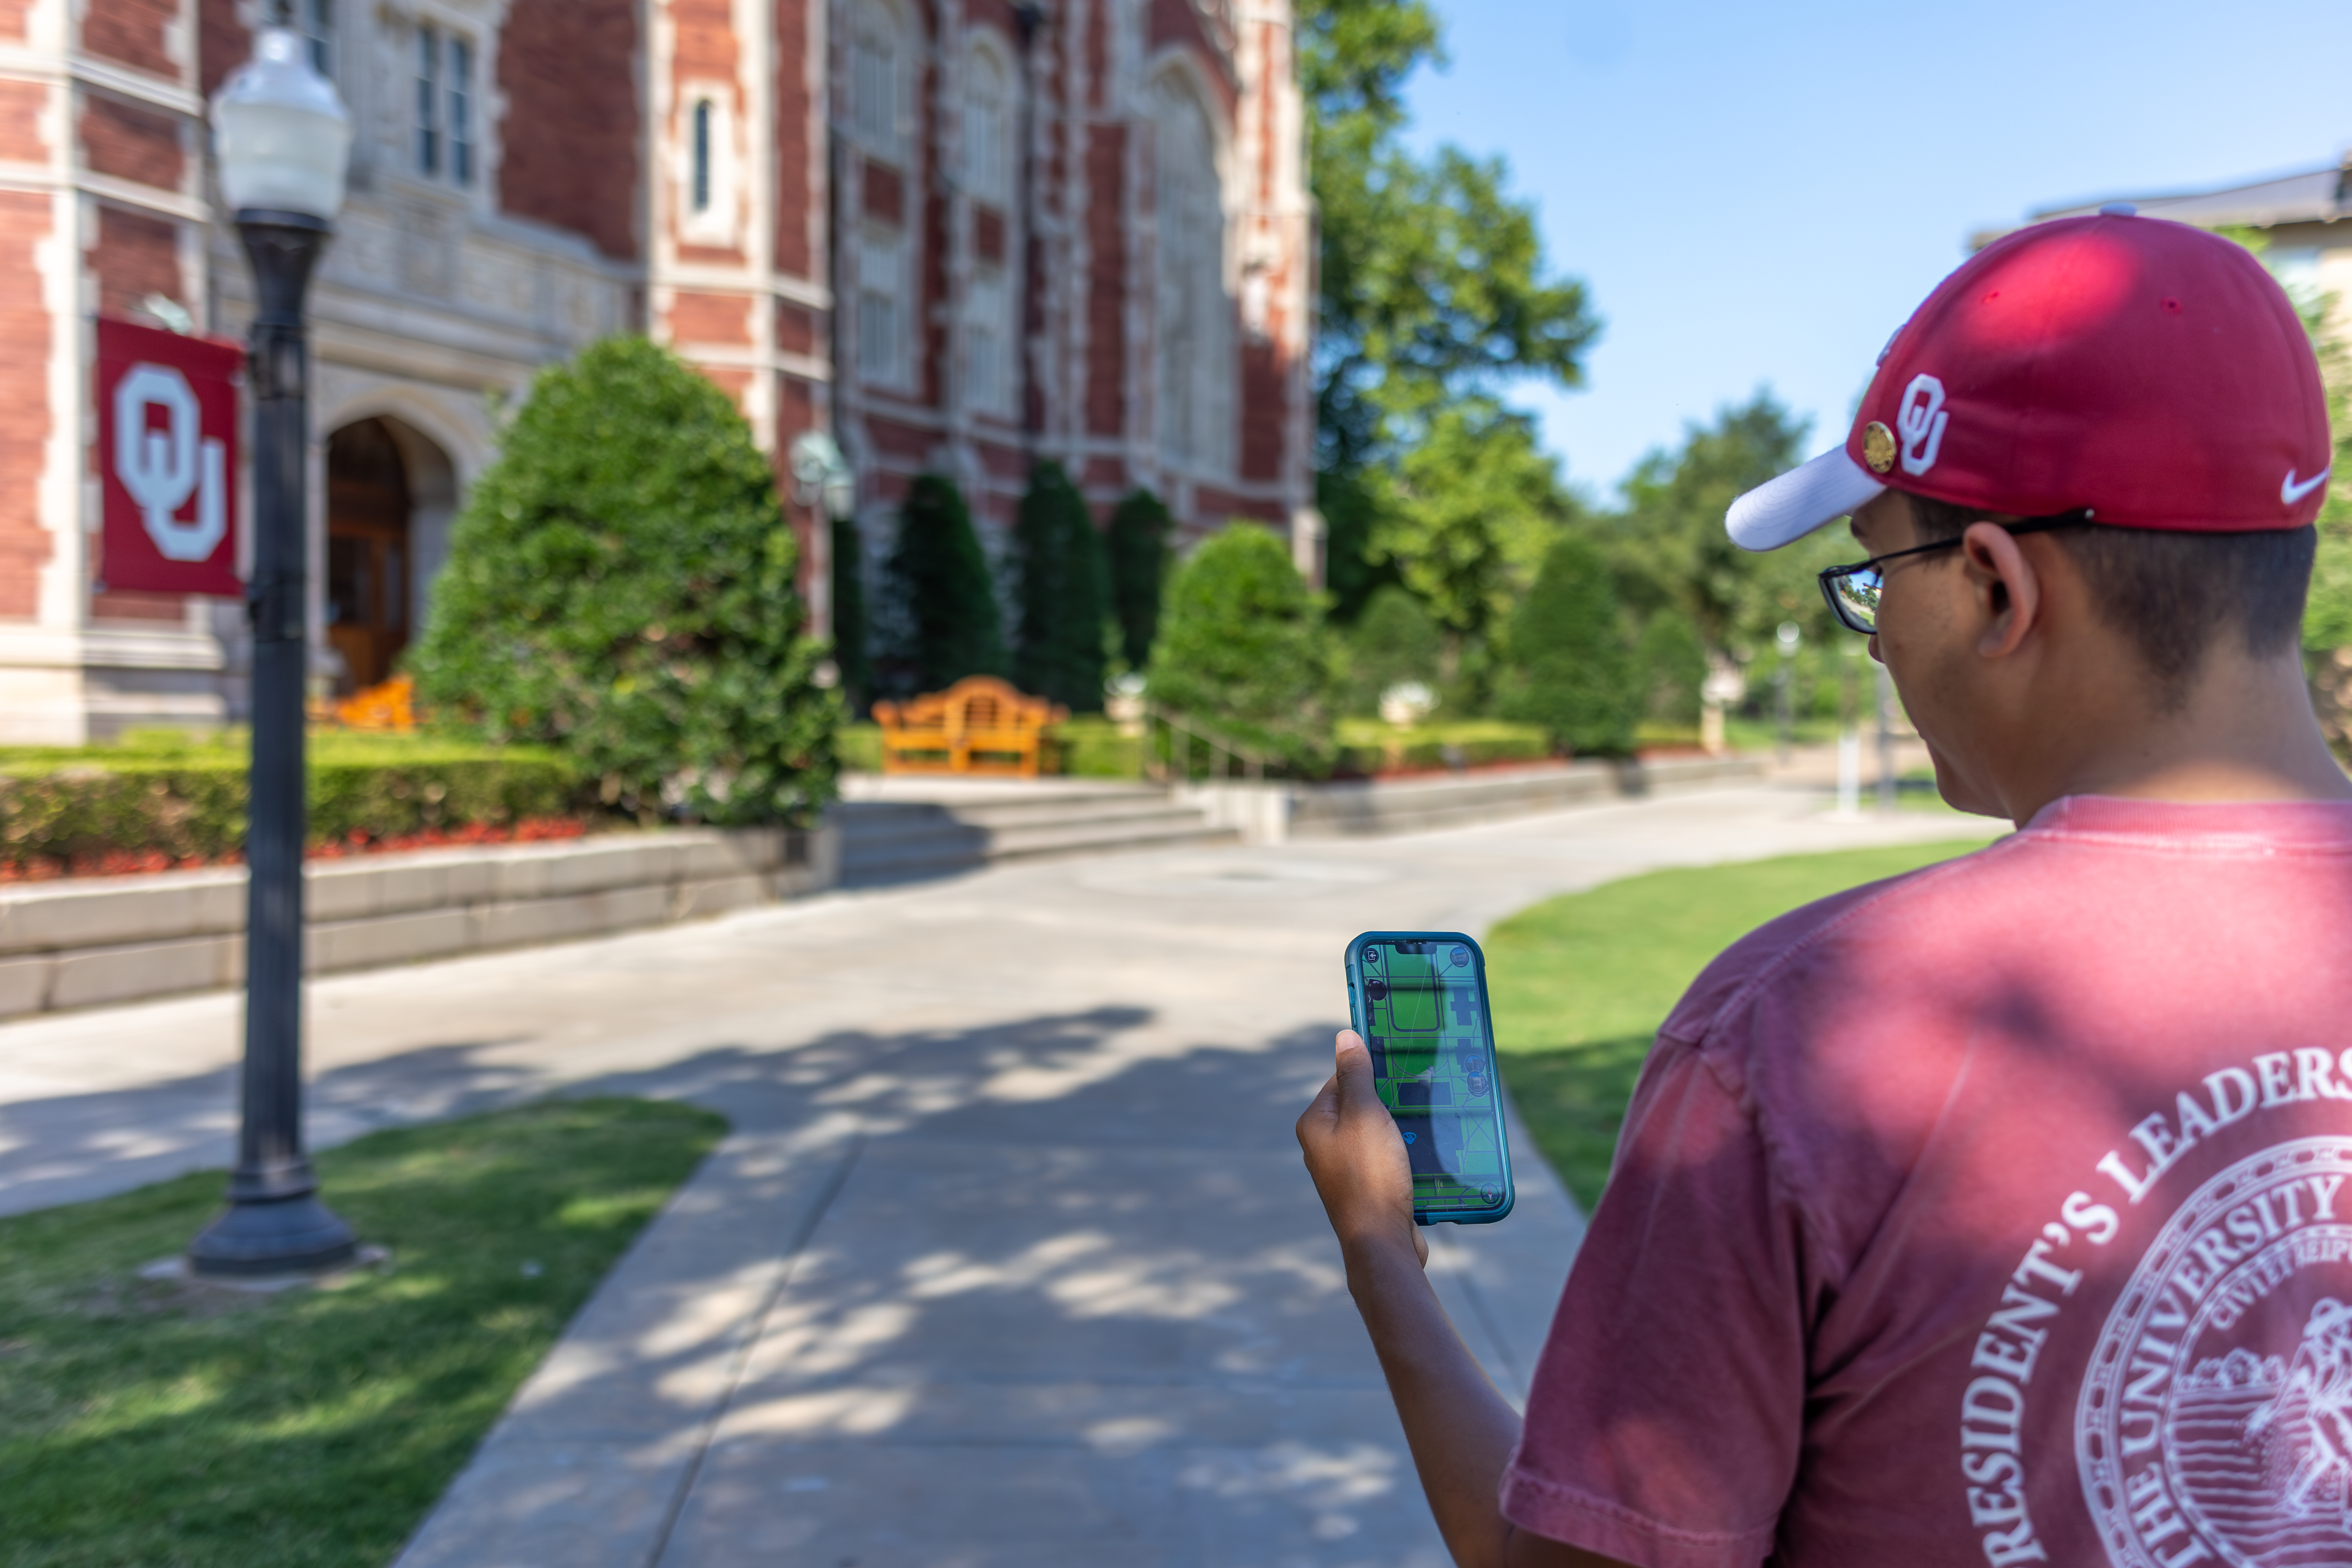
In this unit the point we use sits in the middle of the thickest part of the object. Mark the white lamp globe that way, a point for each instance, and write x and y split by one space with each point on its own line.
281 132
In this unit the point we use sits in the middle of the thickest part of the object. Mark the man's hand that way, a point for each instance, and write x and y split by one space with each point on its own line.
1357 1158
1459 1428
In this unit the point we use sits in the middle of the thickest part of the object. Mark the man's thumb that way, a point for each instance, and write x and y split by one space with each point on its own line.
1355 1064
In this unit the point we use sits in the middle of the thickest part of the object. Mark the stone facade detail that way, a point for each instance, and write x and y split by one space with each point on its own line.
960 234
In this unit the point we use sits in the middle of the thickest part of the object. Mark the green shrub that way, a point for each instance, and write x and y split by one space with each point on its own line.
1137 551
1092 748
1063 590
859 747
1671 666
1367 746
1570 657
1393 640
80 806
1243 649
851 652
942 597
620 586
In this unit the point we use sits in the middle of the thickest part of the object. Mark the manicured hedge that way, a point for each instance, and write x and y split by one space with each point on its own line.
80 808
1368 747
859 746
1092 748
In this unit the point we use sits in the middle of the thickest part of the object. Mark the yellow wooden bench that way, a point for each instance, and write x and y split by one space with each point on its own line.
980 725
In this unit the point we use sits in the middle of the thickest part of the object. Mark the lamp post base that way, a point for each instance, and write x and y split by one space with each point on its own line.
282 1236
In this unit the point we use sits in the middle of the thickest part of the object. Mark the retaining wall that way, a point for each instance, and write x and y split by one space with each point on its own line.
86 942
1272 813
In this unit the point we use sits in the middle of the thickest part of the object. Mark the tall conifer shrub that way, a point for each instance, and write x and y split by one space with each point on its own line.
1243 647
1064 592
1137 551
1570 665
620 585
942 596
851 650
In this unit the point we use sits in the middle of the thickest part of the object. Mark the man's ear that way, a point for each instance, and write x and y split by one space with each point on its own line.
2007 588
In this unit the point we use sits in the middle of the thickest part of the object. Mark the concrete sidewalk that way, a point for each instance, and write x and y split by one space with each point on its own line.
1009 1258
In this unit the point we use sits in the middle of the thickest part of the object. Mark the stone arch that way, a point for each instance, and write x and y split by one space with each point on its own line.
392 492
1195 376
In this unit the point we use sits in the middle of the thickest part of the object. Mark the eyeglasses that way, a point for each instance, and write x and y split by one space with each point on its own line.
1853 591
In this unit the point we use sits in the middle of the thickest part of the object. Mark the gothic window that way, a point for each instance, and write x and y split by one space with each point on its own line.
991 365
880 53
445 105
987 130
877 330
316 20
705 167
699 178
874 68
1194 349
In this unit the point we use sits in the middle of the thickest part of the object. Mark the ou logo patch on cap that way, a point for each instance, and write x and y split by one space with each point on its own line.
1921 420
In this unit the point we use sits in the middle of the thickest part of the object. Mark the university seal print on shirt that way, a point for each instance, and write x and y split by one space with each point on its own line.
2213 1422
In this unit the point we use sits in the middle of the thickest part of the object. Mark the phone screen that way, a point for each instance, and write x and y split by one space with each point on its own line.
1419 1000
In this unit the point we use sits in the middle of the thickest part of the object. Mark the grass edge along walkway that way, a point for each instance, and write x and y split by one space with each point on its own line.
145 1424
1580 983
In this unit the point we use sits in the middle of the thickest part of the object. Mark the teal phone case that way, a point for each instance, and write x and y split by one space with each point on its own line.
1435 1057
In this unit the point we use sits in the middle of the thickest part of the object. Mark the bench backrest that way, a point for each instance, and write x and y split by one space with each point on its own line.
977 702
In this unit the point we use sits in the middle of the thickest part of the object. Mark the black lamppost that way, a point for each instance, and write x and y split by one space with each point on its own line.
283 139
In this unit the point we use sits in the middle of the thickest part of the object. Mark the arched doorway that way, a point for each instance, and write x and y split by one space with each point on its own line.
389 493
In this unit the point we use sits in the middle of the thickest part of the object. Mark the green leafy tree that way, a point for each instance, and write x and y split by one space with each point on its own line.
1064 592
942 596
1351 514
1243 649
621 586
1671 665
1434 297
1394 640
1137 551
1468 513
1433 278
1671 546
1571 663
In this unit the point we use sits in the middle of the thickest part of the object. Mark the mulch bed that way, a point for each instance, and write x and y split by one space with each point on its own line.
136 862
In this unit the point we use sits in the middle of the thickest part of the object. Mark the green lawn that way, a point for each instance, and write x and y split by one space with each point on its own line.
1580 985
144 1424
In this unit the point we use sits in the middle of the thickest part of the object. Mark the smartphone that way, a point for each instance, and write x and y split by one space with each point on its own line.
1418 999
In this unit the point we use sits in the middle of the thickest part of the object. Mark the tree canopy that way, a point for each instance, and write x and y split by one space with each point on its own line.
1435 298
1671 548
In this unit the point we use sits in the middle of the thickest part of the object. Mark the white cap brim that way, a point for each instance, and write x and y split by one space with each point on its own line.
1783 510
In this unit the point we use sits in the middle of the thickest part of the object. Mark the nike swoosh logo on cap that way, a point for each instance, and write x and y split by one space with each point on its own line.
2291 492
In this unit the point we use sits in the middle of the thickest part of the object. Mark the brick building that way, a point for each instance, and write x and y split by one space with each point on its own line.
960 234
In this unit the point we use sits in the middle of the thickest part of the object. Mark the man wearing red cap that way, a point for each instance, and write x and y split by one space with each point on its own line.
1997 1214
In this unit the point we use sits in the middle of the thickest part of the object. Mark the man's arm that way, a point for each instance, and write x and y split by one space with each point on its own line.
1459 1427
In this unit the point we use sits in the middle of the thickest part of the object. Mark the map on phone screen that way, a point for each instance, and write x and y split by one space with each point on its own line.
1433 1062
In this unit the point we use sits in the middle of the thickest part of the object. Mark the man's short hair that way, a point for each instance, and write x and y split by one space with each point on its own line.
2173 592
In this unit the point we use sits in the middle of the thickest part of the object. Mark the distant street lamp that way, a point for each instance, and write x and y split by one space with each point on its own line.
1788 637
283 140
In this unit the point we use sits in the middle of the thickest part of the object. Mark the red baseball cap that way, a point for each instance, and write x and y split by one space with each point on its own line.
2149 371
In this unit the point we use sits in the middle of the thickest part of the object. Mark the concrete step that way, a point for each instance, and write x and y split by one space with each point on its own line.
900 839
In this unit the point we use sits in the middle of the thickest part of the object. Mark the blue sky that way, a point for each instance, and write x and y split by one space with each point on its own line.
1757 194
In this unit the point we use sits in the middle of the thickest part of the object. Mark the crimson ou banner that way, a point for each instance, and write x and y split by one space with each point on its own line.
167 458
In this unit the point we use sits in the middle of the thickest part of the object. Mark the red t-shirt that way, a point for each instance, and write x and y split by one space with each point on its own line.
1994 1214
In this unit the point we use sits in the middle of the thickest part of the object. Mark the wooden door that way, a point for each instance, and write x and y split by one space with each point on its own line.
367 564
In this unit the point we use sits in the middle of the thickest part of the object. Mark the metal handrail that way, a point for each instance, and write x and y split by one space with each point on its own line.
1178 766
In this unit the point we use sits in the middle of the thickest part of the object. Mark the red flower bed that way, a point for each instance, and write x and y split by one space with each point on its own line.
132 863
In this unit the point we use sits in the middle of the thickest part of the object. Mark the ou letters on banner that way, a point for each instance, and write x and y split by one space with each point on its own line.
167 457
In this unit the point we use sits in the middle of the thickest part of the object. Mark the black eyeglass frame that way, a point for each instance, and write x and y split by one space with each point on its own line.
1831 576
